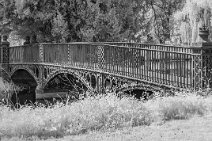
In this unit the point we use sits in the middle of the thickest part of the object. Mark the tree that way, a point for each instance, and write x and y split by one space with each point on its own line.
161 16
93 20
77 20
194 15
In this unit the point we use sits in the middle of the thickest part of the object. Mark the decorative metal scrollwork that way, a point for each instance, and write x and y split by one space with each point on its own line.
197 72
100 54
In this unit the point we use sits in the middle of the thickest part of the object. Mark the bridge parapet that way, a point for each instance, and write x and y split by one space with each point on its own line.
164 65
25 54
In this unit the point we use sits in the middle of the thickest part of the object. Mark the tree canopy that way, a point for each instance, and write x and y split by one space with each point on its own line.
194 15
97 20
77 20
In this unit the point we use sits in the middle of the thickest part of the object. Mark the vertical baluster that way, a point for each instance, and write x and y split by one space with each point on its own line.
133 62
151 66
109 58
156 65
159 65
105 58
77 55
138 63
117 59
124 61
191 65
113 58
174 65
72 49
187 71
180 72
171 66
84 56
162 66
92 56
130 64
89 56
128 61
183 69
147 66
166 60
169 62
143 63
167 66
119 55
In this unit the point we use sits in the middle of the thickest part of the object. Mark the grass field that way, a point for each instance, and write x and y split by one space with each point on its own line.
107 117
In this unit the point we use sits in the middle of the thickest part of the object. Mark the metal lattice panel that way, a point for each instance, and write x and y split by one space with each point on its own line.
100 54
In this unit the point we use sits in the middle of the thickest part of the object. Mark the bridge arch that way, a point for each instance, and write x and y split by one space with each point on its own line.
27 82
139 91
15 69
64 80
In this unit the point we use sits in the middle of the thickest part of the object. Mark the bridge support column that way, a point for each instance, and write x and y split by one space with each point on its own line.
100 85
40 88
4 56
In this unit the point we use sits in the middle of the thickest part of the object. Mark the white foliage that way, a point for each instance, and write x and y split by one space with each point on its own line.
194 15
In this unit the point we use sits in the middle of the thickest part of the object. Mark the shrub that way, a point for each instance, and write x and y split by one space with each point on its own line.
181 107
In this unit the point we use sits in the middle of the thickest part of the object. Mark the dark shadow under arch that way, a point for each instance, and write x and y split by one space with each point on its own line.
93 81
67 83
27 83
139 94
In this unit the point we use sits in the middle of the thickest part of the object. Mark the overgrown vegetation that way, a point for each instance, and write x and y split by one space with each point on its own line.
100 113
6 91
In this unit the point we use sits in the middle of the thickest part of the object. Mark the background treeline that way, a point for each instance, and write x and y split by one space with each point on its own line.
91 20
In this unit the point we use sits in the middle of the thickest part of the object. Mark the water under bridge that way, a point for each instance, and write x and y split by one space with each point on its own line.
99 67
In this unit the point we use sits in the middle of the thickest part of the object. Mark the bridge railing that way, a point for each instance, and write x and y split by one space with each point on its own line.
165 65
156 66
24 54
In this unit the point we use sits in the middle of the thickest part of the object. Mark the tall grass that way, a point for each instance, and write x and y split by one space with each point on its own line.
182 107
100 113
6 90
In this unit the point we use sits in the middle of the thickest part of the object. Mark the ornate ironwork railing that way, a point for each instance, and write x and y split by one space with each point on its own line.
24 54
166 65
